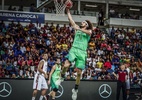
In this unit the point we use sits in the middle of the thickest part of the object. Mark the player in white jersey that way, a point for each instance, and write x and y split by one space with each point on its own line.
40 82
128 81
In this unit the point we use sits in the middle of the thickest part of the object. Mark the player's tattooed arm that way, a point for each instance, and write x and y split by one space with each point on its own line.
74 25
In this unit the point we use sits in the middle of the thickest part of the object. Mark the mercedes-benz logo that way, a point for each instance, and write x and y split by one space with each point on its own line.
59 92
5 89
105 91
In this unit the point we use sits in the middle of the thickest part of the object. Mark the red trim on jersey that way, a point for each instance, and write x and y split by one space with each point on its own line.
37 81
42 66
36 85
44 89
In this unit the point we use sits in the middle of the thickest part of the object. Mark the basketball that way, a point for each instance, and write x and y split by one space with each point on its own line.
69 4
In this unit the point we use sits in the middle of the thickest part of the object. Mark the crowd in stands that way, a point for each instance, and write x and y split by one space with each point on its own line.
21 48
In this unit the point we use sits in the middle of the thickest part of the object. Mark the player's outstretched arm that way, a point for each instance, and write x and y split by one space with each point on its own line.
70 19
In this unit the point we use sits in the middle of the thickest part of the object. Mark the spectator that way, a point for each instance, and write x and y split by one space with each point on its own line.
91 45
122 77
14 9
32 8
136 79
101 17
43 10
29 61
20 8
100 63
103 74
64 46
10 8
107 65
23 49
120 38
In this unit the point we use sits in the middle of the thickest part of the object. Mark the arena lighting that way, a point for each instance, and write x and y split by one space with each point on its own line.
134 9
91 5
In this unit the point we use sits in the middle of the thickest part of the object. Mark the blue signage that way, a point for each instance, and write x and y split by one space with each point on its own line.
22 17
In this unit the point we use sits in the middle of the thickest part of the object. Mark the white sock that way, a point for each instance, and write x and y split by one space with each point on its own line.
33 98
41 97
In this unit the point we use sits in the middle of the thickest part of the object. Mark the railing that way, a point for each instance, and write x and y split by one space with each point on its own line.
49 17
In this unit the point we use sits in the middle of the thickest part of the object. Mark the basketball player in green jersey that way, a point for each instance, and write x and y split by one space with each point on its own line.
54 78
78 51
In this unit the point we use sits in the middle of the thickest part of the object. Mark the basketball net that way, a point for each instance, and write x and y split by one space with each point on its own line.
60 7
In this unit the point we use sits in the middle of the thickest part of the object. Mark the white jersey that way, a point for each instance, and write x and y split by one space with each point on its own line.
44 67
128 71
39 79
128 80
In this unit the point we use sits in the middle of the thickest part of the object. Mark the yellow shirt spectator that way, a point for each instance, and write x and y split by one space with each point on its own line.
26 28
64 46
100 64
127 60
91 45
132 31
58 46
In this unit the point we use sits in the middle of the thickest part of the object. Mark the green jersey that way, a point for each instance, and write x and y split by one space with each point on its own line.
81 40
57 72
55 77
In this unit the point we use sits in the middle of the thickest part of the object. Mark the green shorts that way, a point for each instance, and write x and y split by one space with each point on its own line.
53 83
79 56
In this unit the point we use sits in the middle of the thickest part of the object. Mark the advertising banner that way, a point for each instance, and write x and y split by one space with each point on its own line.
22 16
88 90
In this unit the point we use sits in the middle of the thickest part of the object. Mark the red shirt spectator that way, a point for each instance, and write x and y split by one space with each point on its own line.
31 25
107 64
36 62
44 34
29 61
127 43
21 61
115 45
109 48
103 45
122 75
96 29
98 36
